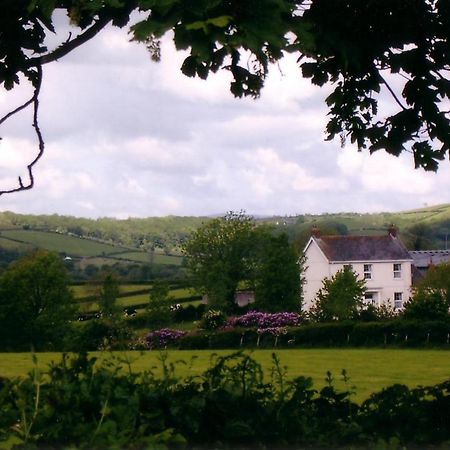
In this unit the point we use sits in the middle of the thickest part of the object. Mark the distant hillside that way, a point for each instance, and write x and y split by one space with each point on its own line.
426 228
158 240
155 233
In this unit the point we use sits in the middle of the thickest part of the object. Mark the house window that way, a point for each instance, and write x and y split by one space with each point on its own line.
398 300
367 271
370 298
397 270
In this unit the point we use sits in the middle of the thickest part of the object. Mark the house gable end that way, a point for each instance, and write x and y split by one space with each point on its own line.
313 247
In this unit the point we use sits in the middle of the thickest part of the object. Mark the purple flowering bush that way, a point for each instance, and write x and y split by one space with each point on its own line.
162 338
263 320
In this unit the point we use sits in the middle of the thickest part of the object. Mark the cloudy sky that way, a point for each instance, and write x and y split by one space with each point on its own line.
127 137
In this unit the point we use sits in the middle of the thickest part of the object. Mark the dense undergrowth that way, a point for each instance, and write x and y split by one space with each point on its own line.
80 403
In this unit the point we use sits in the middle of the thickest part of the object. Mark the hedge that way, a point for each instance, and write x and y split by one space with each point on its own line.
397 333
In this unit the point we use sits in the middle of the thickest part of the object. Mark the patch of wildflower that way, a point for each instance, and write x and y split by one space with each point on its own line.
162 338
265 320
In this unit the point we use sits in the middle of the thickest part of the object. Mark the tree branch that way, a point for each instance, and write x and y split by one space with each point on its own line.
68 46
15 111
391 91
35 101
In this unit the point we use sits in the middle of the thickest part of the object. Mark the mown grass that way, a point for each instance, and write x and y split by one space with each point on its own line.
369 369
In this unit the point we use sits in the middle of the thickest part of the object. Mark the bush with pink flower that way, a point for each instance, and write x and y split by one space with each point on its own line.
162 338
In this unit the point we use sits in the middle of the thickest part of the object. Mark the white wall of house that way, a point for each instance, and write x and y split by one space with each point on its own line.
383 287
317 268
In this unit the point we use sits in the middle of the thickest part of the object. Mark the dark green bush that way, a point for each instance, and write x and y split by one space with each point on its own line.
195 341
101 334
189 313
333 334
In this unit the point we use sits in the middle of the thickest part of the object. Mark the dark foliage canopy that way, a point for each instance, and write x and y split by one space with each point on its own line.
365 49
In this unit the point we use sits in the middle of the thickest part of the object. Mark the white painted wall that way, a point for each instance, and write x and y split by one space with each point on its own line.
383 281
317 268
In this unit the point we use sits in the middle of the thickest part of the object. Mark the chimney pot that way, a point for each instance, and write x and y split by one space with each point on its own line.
392 230
315 231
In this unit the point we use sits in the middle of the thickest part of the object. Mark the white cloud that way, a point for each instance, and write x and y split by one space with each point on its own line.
381 172
86 205
280 174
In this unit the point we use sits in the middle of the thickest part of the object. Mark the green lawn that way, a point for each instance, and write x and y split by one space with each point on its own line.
369 369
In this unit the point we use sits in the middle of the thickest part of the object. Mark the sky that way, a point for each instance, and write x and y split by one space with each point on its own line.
128 137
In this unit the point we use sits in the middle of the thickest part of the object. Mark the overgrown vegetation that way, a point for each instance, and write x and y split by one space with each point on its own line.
81 403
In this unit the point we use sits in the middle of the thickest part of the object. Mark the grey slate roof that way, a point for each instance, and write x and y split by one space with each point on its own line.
423 258
362 248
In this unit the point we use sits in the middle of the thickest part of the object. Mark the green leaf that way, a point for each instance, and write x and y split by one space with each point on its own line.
219 22
198 25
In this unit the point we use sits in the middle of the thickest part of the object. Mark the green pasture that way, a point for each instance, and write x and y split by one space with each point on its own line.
70 245
132 299
8 244
85 290
369 370
145 257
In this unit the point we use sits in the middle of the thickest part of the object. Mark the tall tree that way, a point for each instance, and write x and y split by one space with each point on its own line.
232 251
365 49
340 298
158 312
436 283
36 304
107 297
218 256
277 277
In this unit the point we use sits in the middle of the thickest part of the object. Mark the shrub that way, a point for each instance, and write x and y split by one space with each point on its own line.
212 320
162 338
101 334
194 341
189 313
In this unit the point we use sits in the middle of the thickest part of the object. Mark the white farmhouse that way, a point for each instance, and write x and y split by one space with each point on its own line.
382 261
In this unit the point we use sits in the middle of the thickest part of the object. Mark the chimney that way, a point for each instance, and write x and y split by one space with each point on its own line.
392 230
315 231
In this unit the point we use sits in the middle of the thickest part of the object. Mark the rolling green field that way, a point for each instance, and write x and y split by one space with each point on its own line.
129 298
369 369
25 240
70 245
157 258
